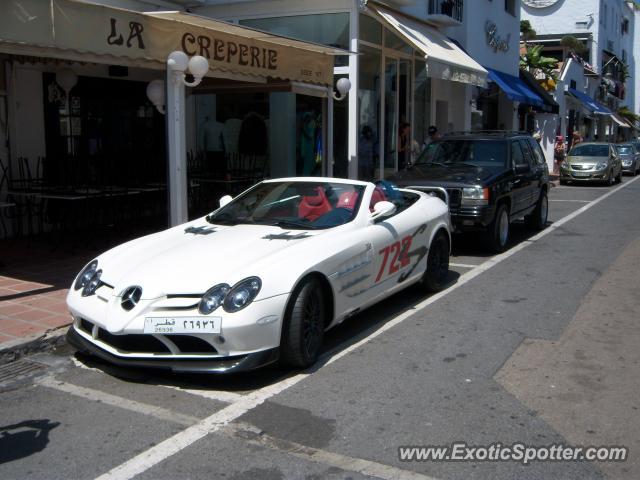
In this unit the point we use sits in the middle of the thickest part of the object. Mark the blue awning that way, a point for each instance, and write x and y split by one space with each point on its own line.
592 105
515 89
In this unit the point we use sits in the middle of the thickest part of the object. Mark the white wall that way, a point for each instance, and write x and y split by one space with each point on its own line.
472 34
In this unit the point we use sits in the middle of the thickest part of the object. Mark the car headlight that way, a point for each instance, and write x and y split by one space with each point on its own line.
565 165
242 294
602 165
86 275
213 298
93 284
475 196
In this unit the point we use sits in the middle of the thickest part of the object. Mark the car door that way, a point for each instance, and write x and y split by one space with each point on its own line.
615 159
521 184
399 250
540 169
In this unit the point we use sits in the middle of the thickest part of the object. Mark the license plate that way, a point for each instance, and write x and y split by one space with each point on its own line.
182 325
581 174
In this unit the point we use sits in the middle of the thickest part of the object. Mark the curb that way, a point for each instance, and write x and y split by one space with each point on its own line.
15 349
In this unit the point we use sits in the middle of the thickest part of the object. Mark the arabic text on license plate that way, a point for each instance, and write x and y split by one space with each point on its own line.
182 325
581 174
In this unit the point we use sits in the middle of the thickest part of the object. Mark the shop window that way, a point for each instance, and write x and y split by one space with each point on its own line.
369 112
326 28
370 30
391 40
422 102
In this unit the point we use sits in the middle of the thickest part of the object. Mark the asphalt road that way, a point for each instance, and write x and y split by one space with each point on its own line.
537 345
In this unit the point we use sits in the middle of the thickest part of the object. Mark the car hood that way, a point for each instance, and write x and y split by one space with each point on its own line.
436 175
586 160
191 258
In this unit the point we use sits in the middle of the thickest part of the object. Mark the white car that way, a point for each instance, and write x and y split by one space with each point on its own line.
261 278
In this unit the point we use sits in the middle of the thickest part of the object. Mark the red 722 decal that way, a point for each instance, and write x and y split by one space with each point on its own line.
399 259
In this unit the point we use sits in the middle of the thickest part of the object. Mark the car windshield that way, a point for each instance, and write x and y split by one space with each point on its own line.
624 149
590 151
475 153
293 205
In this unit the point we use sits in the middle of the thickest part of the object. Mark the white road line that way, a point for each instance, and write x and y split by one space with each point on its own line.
575 201
218 395
254 436
462 265
181 440
114 400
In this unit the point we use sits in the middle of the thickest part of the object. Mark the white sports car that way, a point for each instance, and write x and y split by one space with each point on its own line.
261 278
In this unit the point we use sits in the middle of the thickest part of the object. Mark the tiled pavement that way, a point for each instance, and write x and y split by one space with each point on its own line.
33 287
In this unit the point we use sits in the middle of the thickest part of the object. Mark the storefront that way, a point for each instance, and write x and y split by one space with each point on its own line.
406 76
78 117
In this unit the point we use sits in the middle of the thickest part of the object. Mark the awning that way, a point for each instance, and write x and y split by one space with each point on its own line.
515 89
619 120
591 105
550 105
85 32
445 60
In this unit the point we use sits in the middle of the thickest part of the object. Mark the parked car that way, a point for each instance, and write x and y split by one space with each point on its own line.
592 162
261 278
630 157
492 179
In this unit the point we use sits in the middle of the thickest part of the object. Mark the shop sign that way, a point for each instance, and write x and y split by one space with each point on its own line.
495 41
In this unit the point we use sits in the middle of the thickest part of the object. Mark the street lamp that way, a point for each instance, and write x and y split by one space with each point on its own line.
156 94
343 86
179 62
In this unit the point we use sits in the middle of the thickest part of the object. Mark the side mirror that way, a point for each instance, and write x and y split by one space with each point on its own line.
521 168
383 209
225 200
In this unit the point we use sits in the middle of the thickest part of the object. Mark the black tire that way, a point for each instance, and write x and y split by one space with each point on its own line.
304 323
619 177
497 236
563 182
609 181
437 275
537 220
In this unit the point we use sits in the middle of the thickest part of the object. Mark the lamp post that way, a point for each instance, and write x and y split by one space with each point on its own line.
177 64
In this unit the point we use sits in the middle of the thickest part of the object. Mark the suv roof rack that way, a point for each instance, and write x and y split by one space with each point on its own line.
497 133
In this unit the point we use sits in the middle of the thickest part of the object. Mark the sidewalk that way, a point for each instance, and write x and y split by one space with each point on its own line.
33 287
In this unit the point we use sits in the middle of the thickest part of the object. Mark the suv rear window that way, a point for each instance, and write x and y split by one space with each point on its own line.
477 153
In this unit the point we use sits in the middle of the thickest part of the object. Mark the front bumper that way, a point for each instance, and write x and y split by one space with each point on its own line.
472 218
230 364
584 175
631 168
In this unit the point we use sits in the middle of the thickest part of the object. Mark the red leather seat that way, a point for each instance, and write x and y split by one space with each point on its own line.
347 200
377 196
313 206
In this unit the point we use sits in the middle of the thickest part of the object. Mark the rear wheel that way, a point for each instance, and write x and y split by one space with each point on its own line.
538 218
498 234
437 274
304 323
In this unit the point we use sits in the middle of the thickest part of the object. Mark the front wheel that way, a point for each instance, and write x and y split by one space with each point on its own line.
304 322
538 218
498 234
610 178
437 274
619 177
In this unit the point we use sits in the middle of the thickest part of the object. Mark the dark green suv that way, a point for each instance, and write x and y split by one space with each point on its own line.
492 179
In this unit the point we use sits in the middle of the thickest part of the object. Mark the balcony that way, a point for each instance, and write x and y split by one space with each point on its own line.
446 13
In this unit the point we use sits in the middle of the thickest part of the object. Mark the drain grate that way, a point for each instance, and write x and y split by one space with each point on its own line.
18 370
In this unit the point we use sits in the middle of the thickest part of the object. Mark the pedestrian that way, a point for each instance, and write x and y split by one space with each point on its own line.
433 133
577 138
404 145
559 154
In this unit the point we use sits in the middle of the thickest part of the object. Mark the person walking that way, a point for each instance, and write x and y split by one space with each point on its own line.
559 154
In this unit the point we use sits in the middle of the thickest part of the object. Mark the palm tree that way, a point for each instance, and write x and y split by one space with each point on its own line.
541 67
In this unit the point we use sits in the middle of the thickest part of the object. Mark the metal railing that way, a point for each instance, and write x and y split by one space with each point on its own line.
450 8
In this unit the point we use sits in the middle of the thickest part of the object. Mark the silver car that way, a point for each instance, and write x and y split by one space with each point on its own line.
592 162
630 157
